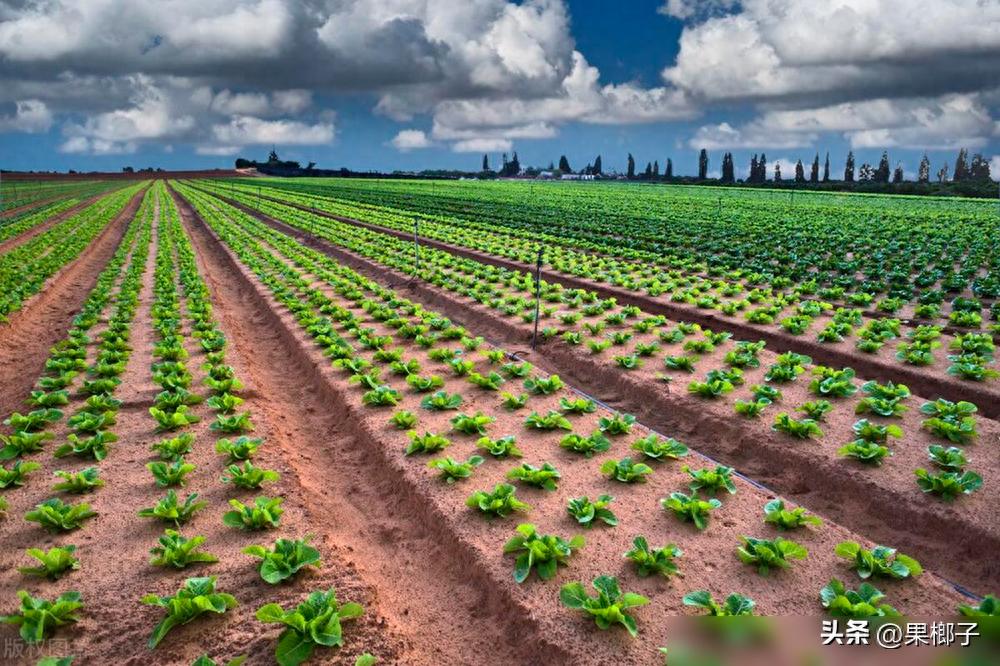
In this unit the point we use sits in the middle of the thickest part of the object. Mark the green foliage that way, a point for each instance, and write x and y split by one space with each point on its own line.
54 562
17 474
22 443
586 512
948 485
711 480
500 448
85 481
650 561
588 445
196 597
767 554
441 401
265 512
403 419
776 514
55 516
618 424
989 606
170 474
166 421
798 428
38 617
500 502
815 409
249 476
626 471
174 448
454 470
691 508
657 448
865 603
542 552
426 443
171 510
178 551
550 421
609 607
513 402
285 559
241 448
735 605
545 476
544 385
577 406
471 424
234 423
315 622
879 561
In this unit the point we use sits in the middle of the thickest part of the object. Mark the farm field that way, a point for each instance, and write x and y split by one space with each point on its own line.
431 416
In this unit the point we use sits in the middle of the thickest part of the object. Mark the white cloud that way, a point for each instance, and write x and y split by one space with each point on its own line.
30 116
410 139
695 9
247 130
216 150
725 136
995 167
482 145
96 146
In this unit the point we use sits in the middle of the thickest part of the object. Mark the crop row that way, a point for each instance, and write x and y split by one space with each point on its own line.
393 350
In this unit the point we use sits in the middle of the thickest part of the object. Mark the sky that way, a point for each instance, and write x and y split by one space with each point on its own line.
415 84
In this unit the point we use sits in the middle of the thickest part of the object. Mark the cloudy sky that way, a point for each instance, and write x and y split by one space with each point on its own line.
384 84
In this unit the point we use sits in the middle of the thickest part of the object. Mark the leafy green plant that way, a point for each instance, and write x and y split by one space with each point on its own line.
650 561
500 448
588 445
545 476
656 448
767 554
586 512
17 475
315 622
950 459
167 421
241 448
544 385
776 514
618 424
285 559
862 604
542 552
455 470
38 617
471 424
609 607
95 446
22 443
441 401
175 550
265 512
577 406
54 562
85 481
735 604
174 448
815 409
879 561
948 485
711 480
55 516
691 508
551 421
512 402
626 471
426 443
500 502
871 453
798 428
196 597
225 403
989 606
33 421
249 476
170 474
234 423
403 419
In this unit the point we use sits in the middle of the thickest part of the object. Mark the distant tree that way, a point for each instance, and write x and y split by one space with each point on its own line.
980 170
630 173
728 170
703 164
564 164
486 162
128 169
961 166
897 175
777 172
552 166
924 170
800 172
243 163
752 176
826 169
814 172
656 169
515 165
273 156
881 174
762 168
597 166
942 174
648 173
669 173
849 167
866 173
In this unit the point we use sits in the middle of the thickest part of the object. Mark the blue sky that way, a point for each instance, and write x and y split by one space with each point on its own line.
412 84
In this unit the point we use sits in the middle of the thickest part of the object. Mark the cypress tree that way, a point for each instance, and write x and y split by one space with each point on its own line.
814 174
631 167
703 164
849 167
826 169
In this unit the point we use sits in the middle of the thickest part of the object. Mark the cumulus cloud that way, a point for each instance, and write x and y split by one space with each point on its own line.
247 130
995 167
411 139
482 145
30 116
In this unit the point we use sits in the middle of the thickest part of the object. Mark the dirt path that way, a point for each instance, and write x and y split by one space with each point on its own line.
388 541
985 396
929 529
43 319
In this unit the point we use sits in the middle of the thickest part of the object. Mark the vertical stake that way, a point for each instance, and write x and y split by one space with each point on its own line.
538 294
416 247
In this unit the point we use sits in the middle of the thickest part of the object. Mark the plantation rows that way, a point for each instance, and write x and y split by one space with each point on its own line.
160 500
831 312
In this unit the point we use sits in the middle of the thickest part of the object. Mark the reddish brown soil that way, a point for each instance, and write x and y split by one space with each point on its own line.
44 318
814 477
881 366
709 553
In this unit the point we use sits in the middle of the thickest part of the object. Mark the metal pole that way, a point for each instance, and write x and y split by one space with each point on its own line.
416 247
538 294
